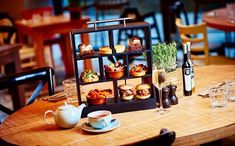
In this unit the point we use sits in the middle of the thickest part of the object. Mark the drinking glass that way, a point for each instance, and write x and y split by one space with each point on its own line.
218 96
159 80
70 90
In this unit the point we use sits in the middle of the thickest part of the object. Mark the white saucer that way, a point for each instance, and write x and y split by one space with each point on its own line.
88 128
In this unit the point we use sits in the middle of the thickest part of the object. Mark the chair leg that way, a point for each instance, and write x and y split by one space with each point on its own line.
51 55
196 8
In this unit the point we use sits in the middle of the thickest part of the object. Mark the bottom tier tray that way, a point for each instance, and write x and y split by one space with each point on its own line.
123 106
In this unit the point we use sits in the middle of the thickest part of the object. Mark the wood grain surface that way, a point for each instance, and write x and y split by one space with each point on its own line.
193 119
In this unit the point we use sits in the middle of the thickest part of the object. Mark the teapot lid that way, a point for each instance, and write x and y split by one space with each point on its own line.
66 106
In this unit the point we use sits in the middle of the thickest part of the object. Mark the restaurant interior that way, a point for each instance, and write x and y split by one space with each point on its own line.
102 57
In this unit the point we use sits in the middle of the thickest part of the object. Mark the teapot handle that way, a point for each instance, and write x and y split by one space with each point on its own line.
45 114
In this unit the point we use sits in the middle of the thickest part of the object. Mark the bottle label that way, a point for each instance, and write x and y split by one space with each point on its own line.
192 77
187 79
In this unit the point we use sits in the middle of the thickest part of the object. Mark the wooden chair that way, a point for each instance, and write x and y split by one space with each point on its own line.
8 33
49 40
199 44
42 75
166 138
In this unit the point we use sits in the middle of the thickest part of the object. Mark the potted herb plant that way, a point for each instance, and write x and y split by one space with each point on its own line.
165 55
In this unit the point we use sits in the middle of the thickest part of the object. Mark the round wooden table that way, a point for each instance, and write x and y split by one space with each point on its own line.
193 120
218 19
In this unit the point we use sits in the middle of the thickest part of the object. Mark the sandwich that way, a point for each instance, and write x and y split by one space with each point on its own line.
126 92
142 91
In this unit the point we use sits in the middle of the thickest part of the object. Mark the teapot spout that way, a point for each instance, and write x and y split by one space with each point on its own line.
79 109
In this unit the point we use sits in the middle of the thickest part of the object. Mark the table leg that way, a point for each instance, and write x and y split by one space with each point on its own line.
85 39
68 57
39 49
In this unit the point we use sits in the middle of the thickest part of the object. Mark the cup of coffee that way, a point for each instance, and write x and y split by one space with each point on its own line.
99 119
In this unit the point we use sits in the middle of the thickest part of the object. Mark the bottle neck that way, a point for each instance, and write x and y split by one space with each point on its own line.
186 57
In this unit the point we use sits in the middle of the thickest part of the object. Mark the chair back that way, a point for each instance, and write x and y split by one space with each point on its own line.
28 14
132 12
200 43
105 5
166 138
43 75
8 31
177 8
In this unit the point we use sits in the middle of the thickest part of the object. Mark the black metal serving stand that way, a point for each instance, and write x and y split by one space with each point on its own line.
115 104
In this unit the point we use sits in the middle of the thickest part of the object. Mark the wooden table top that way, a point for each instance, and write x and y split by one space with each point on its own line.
42 30
193 120
218 19
9 47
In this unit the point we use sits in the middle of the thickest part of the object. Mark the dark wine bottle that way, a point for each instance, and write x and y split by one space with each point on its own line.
192 66
186 72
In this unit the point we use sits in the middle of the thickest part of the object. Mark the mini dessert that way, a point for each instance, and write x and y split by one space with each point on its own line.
126 92
138 70
86 50
142 91
89 76
135 44
114 71
119 48
96 97
106 50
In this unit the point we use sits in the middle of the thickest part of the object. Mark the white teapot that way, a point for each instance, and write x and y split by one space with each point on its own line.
66 116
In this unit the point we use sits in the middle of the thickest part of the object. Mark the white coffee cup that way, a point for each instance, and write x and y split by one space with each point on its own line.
100 119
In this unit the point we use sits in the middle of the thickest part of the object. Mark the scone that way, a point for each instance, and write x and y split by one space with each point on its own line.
106 50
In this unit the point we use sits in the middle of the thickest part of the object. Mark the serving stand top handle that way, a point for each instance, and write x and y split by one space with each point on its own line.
109 20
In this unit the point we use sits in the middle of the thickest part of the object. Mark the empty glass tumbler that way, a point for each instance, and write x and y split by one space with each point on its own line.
70 90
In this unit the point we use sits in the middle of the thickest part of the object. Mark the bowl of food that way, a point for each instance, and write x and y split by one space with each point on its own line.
88 76
138 70
96 97
114 71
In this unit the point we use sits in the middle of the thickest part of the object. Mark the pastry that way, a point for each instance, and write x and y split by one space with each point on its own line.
138 70
86 50
119 48
105 50
135 44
